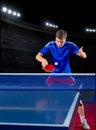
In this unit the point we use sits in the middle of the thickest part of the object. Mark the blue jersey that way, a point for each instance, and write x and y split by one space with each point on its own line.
60 55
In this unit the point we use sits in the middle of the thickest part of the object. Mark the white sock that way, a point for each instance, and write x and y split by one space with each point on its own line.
82 118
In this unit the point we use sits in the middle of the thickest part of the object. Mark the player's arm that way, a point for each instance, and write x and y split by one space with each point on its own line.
81 53
39 57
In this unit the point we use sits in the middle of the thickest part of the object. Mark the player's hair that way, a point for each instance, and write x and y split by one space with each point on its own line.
61 34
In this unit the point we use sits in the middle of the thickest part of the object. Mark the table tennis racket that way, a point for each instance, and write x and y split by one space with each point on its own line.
49 68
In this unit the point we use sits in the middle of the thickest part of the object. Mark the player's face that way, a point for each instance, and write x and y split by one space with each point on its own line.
60 42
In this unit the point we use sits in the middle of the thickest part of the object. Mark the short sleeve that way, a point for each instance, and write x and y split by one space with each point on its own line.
74 48
45 49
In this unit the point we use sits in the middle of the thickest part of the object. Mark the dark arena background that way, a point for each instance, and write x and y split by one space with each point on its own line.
21 41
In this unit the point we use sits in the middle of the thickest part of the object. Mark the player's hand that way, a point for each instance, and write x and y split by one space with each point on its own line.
81 49
81 53
44 63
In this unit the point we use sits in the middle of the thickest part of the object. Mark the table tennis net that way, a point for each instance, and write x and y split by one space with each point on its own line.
38 81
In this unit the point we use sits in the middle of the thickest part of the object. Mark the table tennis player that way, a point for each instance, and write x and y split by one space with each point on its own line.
60 50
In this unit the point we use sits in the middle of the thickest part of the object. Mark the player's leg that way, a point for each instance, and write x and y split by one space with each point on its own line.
81 113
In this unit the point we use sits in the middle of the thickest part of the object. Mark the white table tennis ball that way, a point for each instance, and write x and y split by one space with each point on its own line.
56 63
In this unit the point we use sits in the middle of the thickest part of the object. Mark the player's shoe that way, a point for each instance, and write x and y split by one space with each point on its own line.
85 125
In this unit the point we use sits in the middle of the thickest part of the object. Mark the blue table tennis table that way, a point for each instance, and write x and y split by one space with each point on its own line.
26 103
38 109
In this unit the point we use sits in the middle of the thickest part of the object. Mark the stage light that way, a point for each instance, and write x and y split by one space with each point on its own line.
4 9
48 24
91 30
10 12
